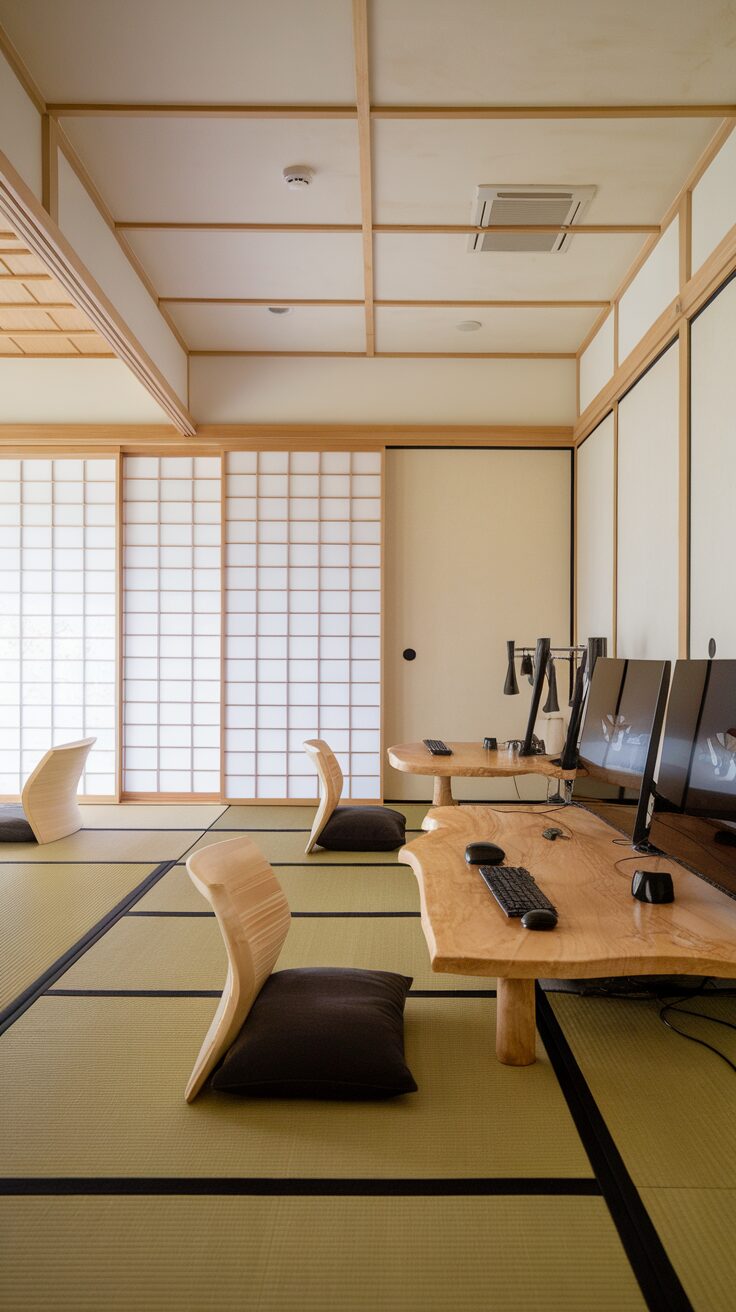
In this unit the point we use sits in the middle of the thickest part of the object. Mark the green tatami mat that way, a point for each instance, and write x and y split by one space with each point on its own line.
314 1255
105 845
301 817
669 1104
143 815
95 1087
156 952
286 847
47 908
333 888
697 1227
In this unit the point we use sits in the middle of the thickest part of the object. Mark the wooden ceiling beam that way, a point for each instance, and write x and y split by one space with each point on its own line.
36 305
451 304
25 277
194 109
400 355
362 88
453 229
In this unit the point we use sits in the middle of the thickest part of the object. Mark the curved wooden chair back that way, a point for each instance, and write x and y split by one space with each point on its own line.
49 794
253 915
330 780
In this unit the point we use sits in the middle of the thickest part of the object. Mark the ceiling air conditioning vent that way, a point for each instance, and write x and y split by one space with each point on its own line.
498 205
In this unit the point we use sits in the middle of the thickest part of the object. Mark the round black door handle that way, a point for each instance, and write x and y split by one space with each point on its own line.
409 654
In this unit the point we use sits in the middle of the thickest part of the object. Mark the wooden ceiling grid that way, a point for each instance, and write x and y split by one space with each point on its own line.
37 319
27 291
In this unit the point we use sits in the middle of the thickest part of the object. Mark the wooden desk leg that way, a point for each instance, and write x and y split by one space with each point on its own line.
515 1022
442 795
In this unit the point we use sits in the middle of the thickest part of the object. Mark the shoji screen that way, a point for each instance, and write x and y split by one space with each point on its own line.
171 590
594 494
303 602
648 525
713 477
57 615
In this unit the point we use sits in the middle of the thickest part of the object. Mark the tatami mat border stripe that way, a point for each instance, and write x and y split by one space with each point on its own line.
269 1186
216 993
24 1000
301 915
654 1272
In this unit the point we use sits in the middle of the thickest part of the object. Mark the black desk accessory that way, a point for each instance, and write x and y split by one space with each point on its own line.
540 918
484 854
437 747
552 834
490 744
653 886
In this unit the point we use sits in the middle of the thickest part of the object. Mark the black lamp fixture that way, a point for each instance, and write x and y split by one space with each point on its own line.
510 687
551 703
527 666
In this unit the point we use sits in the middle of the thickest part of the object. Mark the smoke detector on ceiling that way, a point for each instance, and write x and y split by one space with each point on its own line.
298 176
497 206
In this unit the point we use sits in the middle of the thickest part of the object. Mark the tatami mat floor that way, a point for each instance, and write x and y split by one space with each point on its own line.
491 1188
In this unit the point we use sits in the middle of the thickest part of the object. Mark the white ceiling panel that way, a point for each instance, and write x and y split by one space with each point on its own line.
207 170
427 170
255 328
278 264
536 53
439 267
246 51
435 329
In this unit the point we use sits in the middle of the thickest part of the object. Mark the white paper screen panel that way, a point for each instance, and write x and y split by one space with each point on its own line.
648 508
713 477
594 483
596 363
171 609
303 620
57 616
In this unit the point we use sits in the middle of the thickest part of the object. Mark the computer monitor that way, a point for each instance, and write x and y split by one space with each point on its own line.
694 814
620 738
569 753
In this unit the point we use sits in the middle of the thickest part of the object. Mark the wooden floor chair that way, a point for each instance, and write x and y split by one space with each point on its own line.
348 828
49 807
253 915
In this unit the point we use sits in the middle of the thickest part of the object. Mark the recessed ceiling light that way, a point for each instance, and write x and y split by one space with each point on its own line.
469 326
298 176
279 309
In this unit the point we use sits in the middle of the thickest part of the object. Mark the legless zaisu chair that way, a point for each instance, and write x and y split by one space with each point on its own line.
253 915
49 808
305 1032
348 828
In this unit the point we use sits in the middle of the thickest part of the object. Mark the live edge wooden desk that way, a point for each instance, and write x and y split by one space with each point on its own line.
469 760
601 930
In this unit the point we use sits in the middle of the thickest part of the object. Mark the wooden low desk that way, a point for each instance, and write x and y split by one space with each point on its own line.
601 930
469 760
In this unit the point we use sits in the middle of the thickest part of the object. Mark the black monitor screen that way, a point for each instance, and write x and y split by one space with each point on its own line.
694 818
620 720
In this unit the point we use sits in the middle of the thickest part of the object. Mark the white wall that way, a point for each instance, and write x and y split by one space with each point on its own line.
713 477
594 548
20 128
714 203
648 525
498 568
74 392
596 363
241 390
651 291
84 227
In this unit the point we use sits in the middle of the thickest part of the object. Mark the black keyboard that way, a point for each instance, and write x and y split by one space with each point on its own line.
515 890
437 747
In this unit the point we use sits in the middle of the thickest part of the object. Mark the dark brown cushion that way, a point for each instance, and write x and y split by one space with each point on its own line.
363 829
14 828
322 1033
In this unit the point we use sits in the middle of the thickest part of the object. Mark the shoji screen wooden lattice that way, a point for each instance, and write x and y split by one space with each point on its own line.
172 608
303 620
57 616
